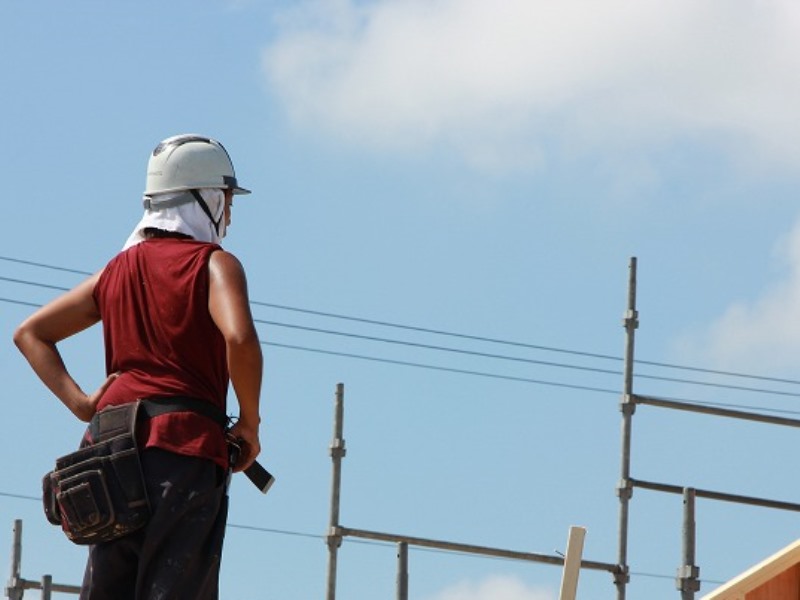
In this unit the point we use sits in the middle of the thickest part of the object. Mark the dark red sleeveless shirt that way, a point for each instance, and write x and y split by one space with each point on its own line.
159 334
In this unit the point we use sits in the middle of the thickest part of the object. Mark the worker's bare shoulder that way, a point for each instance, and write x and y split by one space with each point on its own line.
226 270
224 262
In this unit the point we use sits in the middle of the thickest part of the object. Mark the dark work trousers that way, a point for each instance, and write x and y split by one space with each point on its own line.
177 554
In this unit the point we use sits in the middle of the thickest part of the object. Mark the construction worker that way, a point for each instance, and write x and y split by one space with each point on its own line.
177 327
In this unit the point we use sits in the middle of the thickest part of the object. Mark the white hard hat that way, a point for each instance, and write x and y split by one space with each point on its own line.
188 162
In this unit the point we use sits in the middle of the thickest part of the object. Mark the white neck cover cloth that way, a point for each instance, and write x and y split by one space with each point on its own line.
188 218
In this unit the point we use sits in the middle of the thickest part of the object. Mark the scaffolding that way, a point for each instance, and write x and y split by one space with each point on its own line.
17 585
687 580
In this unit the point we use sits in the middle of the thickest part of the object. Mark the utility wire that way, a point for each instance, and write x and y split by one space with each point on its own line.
519 379
457 335
479 354
493 375
315 536
434 347
34 283
20 496
276 531
43 265
460 351
465 336
521 344
520 359
440 368
20 302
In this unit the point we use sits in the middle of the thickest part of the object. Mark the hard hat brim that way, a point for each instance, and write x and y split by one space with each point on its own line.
232 184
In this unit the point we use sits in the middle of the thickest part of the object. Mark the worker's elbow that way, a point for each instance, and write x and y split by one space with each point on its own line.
21 334
28 336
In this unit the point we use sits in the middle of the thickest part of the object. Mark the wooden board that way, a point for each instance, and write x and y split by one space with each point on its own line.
775 578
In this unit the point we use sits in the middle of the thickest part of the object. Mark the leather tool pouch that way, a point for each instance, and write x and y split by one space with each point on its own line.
97 493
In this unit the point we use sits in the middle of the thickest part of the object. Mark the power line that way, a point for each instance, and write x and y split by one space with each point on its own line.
522 344
259 529
20 302
463 352
480 354
34 283
521 359
495 375
434 347
458 335
440 368
20 496
275 531
474 352
316 536
518 379
466 336
43 265
392 341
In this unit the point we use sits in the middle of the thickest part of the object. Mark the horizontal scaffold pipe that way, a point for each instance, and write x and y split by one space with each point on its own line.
678 489
471 549
59 588
713 410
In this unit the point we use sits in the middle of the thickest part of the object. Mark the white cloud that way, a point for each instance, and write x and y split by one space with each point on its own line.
494 588
762 335
496 80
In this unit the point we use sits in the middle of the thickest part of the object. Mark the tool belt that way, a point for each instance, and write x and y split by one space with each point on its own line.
98 493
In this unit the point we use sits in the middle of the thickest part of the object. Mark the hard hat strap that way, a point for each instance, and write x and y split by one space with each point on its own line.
207 210
155 204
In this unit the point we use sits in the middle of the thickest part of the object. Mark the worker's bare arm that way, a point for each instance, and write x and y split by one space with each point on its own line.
38 335
229 306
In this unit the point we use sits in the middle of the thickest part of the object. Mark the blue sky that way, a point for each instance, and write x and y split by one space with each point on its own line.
478 168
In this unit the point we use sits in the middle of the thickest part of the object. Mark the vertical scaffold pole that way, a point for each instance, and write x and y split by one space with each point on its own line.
47 587
628 406
402 571
338 451
14 590
688 580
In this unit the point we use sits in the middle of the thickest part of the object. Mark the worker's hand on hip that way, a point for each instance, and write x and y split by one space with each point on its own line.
86 409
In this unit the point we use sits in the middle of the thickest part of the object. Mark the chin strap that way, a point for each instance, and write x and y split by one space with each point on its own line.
155 204
204 206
